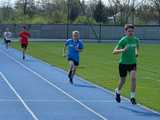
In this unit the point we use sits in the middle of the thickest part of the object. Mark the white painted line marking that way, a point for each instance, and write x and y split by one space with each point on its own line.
19 97
53 85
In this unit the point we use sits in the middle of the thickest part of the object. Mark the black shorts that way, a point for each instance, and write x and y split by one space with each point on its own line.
124 68
76 63
7 41
24 46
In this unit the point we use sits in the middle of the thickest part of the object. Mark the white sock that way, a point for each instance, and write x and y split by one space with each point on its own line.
133 94
118 91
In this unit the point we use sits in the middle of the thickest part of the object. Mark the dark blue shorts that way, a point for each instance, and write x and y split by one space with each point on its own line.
76 63
7 41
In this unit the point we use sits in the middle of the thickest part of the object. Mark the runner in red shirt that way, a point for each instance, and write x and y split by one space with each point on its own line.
24 35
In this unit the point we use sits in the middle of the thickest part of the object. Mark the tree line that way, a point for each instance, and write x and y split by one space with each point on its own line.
112 12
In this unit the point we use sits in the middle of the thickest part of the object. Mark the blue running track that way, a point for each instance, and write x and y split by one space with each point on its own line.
34 90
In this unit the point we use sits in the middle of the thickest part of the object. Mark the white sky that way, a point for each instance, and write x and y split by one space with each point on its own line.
12 1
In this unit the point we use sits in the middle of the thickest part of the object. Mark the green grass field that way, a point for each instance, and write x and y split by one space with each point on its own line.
98 65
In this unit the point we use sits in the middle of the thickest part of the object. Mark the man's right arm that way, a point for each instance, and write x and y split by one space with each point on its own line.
119 48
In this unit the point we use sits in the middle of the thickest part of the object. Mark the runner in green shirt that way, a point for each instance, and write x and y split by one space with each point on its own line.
128 46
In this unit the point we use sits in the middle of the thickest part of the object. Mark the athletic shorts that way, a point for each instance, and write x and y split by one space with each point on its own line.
75 62
7 41
24 46
124 68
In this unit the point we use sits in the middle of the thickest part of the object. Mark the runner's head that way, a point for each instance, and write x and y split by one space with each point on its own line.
129 29
75 35
24 28
7 29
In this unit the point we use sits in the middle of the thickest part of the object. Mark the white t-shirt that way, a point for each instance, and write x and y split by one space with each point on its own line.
7 35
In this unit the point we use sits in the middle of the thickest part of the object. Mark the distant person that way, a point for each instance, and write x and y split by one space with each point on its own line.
128 47
74 47
24 35
7 37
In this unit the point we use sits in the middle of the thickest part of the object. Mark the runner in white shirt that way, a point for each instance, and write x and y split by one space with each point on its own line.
7 37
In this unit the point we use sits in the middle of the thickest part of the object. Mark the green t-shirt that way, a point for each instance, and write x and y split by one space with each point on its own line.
129 56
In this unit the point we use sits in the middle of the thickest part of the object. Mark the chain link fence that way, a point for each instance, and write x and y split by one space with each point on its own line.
96 33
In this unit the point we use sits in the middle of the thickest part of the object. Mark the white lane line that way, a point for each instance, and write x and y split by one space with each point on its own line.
53 85
19 97
125 98
105 90
56 101
62 101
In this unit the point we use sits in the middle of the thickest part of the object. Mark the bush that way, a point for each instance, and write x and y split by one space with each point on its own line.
84 20
38 20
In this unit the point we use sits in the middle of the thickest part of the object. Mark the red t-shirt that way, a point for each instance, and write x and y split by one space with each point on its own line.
24 35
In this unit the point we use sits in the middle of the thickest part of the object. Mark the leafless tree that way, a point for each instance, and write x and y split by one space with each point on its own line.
125 9
156 6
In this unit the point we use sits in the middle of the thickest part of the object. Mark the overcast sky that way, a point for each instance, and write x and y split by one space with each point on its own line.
12 1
